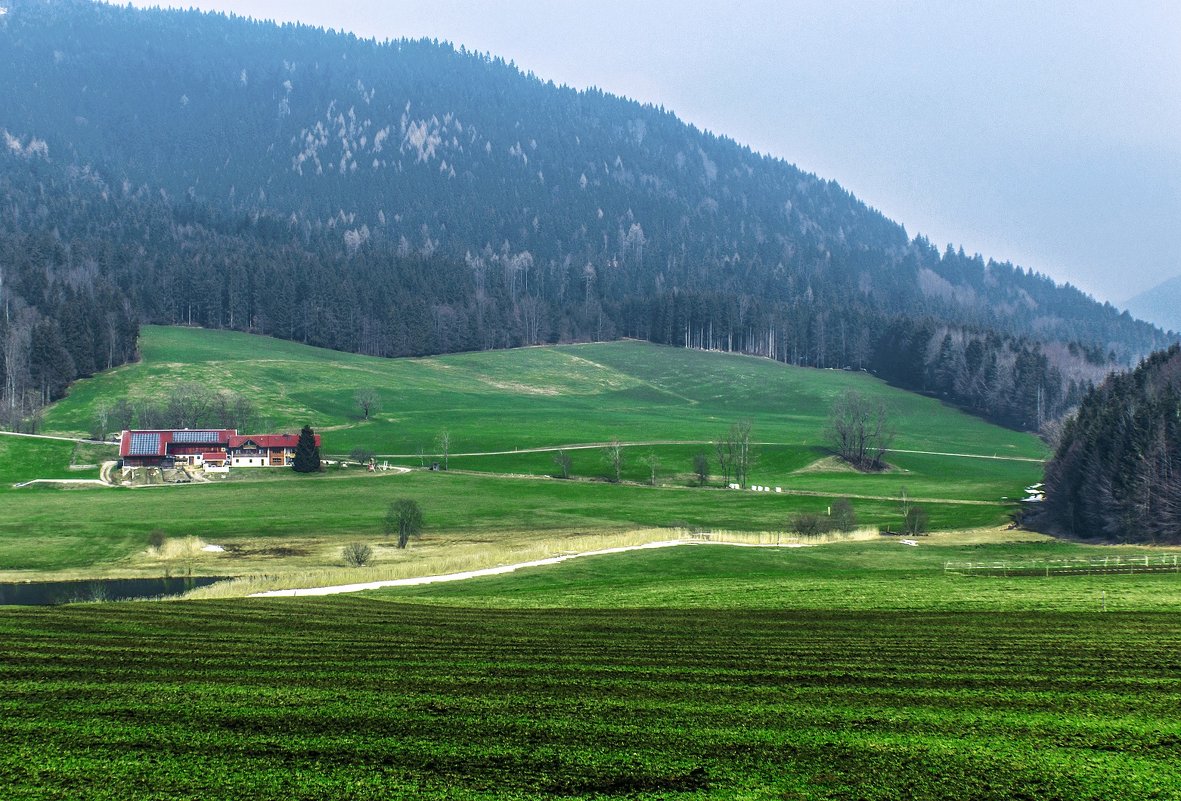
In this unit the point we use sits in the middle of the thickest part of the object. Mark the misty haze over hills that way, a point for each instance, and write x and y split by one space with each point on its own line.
1160 305
407 198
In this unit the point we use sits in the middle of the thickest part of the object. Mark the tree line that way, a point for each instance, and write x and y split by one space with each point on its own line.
187 404
72 297
1116 472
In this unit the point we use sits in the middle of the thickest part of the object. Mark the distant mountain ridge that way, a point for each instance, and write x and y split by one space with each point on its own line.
1160 305
404 197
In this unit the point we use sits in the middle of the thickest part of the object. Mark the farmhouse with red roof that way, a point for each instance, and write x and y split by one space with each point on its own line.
207 447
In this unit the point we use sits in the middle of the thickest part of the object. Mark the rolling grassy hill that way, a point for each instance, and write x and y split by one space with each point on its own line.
670 402
524 398
497 403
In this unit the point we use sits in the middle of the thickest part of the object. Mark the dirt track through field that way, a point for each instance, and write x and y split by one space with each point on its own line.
54 438
580 446
64 482
495 571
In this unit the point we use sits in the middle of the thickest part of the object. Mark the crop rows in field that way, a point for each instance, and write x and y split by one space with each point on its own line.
350 698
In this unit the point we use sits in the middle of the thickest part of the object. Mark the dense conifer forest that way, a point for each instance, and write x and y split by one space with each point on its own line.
404 198
1116 473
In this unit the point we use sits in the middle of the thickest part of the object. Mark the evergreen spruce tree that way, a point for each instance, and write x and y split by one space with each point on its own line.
307 453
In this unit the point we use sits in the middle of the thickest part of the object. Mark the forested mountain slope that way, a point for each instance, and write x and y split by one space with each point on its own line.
405 198
1116 474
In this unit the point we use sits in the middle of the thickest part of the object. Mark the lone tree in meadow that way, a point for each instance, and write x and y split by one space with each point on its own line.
652 462
368 400
859 430
102 416
356 554
915 521
741 450
404 518
443 440
701 468
307 452
564 462
156 539
809 524
735 453
613 455
843 517
362 455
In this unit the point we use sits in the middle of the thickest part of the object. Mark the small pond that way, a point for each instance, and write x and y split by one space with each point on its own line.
48 593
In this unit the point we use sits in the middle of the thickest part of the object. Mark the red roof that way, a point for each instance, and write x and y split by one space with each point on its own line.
155 442
269 440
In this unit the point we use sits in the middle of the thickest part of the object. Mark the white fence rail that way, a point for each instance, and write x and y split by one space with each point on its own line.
1090 566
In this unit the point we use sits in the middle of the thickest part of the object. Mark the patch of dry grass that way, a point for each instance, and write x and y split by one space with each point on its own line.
771 538
985 536
430 557
835 464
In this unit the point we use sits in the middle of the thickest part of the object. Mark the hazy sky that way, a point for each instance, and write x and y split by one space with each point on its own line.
1046 133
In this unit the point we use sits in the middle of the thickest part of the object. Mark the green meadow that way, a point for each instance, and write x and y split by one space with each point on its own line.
525 398
24 458
506 412
665 404
71 530
862 575
851 667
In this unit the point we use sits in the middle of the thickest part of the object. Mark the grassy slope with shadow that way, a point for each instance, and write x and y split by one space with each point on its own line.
495 401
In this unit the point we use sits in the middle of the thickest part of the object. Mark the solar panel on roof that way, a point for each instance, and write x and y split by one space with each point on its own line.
189 437
144 445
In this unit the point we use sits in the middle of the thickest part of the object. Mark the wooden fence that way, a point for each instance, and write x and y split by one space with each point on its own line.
1091 566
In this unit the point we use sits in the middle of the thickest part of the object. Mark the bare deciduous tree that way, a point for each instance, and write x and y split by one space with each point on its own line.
844 518
443 440
808 524
189 404
701 468
613 455
532 311
915 521
102 416
563 461
356 554
16 344
652 461
742 455
859 430
722 451
368 399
